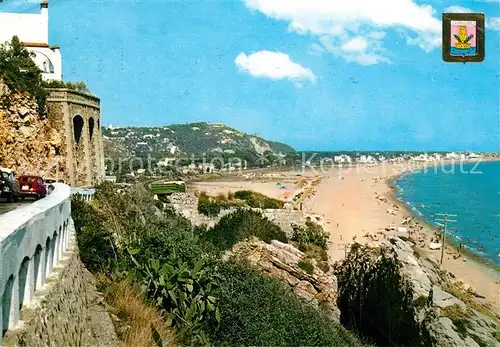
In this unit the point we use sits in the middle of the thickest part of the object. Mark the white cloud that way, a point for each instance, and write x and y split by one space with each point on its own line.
457 9
376 35
343 21
356 44
274 65
493 23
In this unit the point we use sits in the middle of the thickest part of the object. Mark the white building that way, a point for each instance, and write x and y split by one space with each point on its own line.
33 32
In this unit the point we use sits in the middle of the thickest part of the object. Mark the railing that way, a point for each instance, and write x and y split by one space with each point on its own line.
32 241
86 194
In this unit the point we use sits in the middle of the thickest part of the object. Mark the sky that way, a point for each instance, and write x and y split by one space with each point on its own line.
316 74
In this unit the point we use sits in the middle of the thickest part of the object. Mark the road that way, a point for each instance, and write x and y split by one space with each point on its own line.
6 207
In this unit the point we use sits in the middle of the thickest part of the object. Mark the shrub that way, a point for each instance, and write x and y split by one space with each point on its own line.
211 206
311 234
306 266
162 239
258 200
239 225
184 293
208 207
324 266
96 244
77 86
376 300
257 310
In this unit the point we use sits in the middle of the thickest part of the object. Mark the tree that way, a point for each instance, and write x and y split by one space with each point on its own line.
20 73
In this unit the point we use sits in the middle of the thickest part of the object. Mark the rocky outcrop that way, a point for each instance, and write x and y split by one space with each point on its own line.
29 142
281 261
454 322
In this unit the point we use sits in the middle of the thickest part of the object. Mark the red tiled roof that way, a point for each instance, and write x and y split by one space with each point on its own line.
34 44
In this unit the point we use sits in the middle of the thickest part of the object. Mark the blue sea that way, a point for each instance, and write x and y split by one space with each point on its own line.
471 191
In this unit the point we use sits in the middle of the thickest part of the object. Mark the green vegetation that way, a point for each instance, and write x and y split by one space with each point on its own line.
93 237
458 317
125 238
376 300
20 73
211 206
76 86
497 335
259 311
311 234
167 187
198 143
457 290
240 225
207 206
258 200
306 266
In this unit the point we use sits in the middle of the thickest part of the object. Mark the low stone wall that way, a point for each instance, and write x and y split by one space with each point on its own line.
186 204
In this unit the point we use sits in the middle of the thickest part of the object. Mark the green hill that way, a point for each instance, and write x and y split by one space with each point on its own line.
201 140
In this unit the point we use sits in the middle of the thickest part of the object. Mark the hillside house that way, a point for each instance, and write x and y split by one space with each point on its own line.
32 29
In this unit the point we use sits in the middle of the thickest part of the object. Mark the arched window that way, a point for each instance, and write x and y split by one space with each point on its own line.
91 127
23 278
44 63
77 127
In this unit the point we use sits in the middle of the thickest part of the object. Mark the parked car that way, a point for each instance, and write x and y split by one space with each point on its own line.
9 187
32 185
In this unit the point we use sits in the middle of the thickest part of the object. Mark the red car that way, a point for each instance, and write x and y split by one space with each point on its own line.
30 185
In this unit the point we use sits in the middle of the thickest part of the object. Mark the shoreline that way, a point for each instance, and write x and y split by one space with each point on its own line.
359 204
431 228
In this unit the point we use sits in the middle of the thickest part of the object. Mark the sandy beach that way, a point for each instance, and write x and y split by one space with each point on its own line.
358 205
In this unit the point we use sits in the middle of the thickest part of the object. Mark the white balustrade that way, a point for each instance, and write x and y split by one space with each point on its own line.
86 194
33 240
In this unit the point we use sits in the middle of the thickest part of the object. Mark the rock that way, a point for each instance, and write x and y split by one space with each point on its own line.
444 299
434 246
280 260
475 328
23 111
305 290
448 335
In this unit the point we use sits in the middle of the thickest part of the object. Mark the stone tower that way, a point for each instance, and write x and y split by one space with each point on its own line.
77 117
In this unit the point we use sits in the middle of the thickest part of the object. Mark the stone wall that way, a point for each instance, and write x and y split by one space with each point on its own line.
187 205
46 296
68 312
